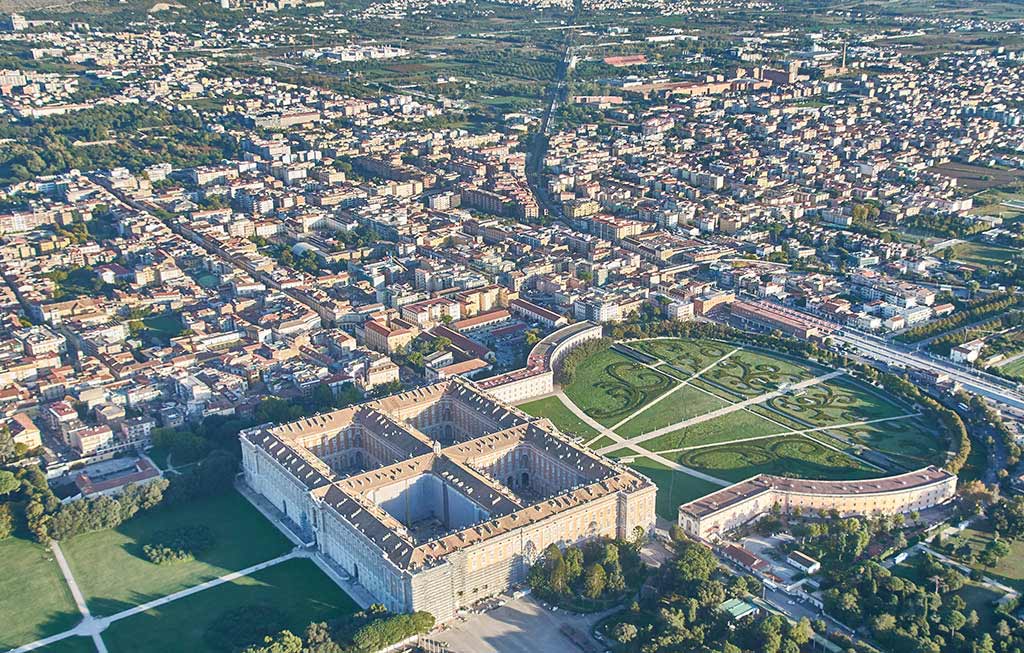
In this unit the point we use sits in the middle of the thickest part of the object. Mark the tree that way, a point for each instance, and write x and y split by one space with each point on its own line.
7 451
283 642
318 639
6 521
624 633
8 482
594 580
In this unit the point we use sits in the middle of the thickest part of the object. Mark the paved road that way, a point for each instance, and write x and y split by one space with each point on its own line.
972 380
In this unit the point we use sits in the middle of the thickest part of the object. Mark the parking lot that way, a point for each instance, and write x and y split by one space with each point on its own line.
519 626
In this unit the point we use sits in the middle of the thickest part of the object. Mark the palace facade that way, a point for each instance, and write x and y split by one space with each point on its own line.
713 515
438 497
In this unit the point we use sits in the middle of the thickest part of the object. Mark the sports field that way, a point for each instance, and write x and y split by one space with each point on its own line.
697 414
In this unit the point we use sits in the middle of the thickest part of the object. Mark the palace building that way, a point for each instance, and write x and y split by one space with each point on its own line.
438 497
713 515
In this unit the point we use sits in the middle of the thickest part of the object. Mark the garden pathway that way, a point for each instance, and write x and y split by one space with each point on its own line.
610 431
753 401
93 626
796 432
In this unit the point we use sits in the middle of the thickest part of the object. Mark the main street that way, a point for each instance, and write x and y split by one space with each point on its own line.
895 354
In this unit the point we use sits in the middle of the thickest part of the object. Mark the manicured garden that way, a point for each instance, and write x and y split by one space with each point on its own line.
789 455
906 441
35 602
293 594
737 425
112 569
752 373
608 386
563 418
839 401
690 356
682 404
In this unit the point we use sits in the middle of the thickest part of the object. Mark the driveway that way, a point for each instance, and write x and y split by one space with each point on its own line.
519 626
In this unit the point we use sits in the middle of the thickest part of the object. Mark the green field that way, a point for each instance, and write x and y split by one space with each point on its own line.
788 455
608 386
35 602
114 575
682 404
737 425
560 416
690 356
70 645
752 373
983 256
295 587
907 441
674 488
1009 569
835 402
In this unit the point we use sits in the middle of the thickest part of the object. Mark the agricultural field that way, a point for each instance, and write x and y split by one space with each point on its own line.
730 412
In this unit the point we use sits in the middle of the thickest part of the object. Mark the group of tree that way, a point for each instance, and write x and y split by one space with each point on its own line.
46 146
260 629
565 372
990 306
919 611
417 350
599 569
178 544
1009 320
684 612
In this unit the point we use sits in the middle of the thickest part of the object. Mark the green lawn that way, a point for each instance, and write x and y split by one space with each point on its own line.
683 403
689 356
70 645
602 442
295 587
560 416
737 425
674 488
753 373
35 602
835 402
983 256
1009 570
608 386
113 574
788 455
907 441
1014 368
